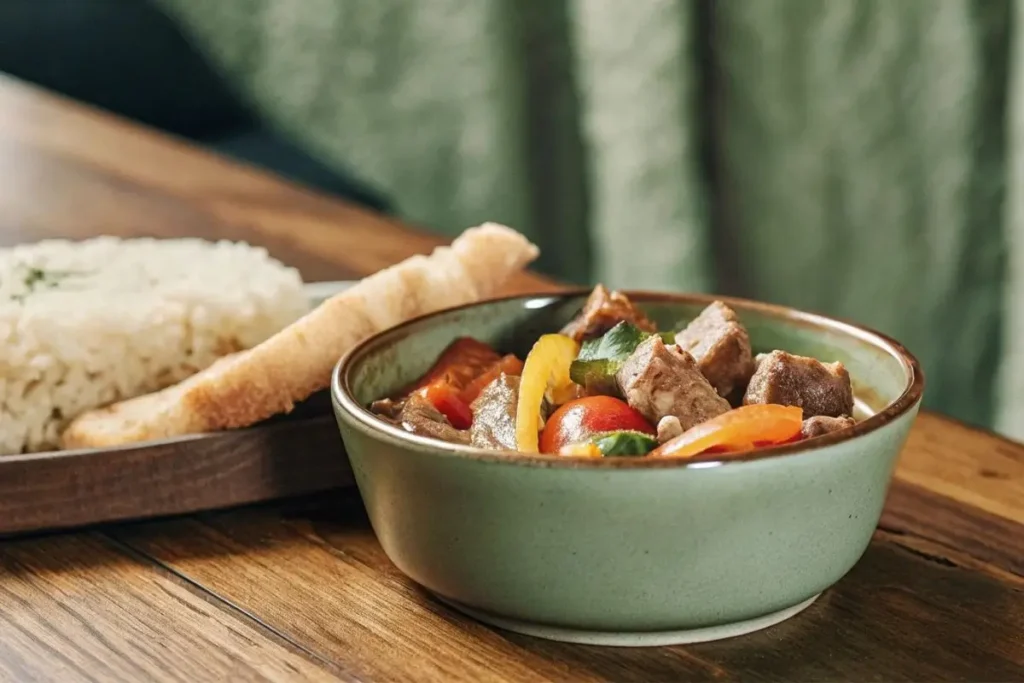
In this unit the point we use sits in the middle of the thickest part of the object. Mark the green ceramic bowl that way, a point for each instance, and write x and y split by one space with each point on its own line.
625 550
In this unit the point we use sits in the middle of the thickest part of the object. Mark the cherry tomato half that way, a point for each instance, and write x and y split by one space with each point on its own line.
578 420
445 398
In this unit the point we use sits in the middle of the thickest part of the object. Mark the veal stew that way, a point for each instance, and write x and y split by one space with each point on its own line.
610 383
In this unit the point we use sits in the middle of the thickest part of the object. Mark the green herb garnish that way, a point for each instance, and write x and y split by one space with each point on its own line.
37 278
624 443
599 359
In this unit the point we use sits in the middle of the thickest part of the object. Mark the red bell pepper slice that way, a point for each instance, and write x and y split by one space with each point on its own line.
738 430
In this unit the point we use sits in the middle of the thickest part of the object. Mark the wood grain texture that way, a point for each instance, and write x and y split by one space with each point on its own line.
903 613
335 592
73 488
71 171
941 527
966 465
75 608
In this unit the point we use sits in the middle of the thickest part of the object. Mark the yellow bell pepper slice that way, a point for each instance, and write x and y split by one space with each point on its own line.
581 450
546 371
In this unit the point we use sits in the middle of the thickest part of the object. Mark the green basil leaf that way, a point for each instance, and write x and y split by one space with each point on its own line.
616 344
624 443
599 359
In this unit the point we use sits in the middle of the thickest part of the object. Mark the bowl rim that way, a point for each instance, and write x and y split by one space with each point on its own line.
343 399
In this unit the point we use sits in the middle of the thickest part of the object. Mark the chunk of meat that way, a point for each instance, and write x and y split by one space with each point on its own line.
659 381
494 415
603 311
419 416
387 408
721 347
822 424
819 388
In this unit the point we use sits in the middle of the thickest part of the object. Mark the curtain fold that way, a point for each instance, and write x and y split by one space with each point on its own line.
862 154
850 157
1010 378
640 87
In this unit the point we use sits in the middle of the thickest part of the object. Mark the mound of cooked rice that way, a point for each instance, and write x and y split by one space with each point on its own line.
87 323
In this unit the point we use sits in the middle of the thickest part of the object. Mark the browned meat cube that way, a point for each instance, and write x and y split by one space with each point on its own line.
659 380
721 347
417 415
819 388
387 408
494 415
821 424
603 311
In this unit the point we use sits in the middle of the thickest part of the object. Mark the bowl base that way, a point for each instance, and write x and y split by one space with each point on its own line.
632 639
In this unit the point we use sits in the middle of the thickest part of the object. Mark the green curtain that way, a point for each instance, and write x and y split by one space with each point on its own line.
845 156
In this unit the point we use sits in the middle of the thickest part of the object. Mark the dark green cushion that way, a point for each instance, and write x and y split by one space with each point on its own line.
128 57
122 55
265 148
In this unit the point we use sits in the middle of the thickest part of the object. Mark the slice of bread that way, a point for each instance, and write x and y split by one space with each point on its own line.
247 387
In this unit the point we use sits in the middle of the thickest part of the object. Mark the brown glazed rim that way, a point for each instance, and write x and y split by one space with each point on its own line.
341 391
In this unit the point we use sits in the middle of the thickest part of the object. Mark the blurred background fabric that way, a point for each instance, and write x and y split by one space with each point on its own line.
851 157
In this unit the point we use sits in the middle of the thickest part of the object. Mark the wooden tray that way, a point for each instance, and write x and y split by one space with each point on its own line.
292 455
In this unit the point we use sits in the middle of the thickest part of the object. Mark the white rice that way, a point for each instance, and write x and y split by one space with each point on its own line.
84 324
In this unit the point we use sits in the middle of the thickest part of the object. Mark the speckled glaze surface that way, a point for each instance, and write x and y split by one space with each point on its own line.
625 546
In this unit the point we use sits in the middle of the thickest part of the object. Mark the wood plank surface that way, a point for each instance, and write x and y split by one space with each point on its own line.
122 179
302 591
965 464
77 608
353 605
940 527
876 624
71 171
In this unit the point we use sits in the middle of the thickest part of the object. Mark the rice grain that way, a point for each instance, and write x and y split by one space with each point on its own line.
84 324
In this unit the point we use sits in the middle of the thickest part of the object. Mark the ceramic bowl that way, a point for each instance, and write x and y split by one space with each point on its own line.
625 551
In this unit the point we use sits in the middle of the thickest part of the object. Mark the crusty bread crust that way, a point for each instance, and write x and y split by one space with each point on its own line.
249 386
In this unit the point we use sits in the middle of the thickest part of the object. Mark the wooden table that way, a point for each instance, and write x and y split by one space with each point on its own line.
302 591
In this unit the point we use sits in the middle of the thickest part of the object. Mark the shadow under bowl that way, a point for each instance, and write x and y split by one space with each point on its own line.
625 551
